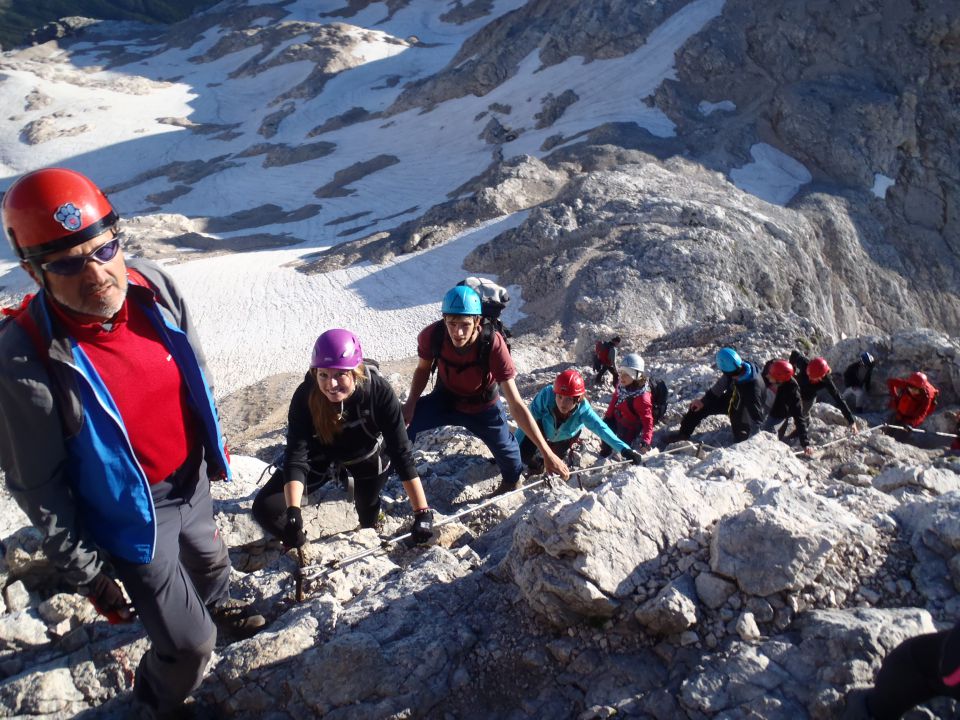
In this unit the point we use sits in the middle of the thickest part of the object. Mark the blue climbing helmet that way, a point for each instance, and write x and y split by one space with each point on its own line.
866 358
728 360
461 300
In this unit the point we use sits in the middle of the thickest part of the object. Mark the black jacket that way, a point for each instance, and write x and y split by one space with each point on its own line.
858 374
372 409
787 404
809 390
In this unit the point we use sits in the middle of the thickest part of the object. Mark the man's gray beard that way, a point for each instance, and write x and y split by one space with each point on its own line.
104 310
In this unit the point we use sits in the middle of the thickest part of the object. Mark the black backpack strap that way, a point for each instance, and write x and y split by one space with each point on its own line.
486 344
436 344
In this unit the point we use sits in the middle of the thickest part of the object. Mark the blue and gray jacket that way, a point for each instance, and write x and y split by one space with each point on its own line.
583 416
64 450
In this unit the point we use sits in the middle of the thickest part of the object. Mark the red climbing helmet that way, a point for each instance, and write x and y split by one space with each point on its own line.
569 383
918 380
54 209
818 369
780 371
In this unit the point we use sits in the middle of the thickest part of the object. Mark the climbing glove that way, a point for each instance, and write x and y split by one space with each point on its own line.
633 456
422 530
293 535
108 599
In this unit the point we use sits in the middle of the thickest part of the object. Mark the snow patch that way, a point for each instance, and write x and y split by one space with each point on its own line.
707 108
882 183
772 176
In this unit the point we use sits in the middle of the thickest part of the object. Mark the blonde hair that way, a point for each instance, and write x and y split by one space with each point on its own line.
326 415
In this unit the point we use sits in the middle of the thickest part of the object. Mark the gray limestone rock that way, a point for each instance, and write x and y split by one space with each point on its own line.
789 524
672 611
581 557
713 590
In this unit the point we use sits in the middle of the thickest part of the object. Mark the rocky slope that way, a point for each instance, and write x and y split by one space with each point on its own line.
712 582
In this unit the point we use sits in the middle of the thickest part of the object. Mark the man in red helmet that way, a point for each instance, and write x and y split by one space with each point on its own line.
912 399
813 377
109 434
779 376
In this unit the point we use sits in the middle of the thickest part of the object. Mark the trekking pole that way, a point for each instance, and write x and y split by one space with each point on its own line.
298 576
845 437
918 430
314 572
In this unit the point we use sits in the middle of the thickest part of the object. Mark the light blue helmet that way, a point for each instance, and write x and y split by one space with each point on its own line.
728 360
461 300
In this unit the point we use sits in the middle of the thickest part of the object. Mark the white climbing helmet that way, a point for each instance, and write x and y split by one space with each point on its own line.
634 362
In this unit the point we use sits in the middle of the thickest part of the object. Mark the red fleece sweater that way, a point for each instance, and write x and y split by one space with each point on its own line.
146 385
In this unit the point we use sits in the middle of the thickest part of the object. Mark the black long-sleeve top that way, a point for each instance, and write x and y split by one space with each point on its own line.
809 390
372 409
787 404
858 374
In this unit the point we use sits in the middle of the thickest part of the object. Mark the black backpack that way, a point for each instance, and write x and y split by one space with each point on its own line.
659 394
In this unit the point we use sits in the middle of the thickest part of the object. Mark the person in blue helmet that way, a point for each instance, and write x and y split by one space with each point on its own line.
739 393
473 367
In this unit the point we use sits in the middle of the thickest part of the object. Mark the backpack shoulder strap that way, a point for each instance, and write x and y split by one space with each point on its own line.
138 278
436 344
487 331
29 325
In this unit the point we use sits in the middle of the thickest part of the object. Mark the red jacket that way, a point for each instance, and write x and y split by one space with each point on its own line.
909 408
633 412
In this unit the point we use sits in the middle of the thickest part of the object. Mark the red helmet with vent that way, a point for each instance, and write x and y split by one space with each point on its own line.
780 371
54 209
569 383
818 369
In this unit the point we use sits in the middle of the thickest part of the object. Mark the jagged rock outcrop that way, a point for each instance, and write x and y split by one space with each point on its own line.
853 91
685 245
577 558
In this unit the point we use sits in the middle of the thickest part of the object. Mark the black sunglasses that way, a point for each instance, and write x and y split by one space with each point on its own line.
75 264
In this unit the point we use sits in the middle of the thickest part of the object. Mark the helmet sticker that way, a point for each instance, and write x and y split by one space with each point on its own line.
69 216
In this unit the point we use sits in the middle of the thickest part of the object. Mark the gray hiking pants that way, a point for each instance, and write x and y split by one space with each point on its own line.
189 571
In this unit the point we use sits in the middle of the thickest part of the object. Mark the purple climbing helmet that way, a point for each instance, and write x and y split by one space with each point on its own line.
338 349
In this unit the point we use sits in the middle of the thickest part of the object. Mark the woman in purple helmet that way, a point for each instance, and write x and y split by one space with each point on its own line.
341 413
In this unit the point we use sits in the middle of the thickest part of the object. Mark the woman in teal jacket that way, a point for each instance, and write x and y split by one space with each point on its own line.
561 412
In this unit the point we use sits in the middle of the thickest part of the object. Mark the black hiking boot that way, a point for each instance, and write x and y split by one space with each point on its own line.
535 466
504 487
674 437
236 620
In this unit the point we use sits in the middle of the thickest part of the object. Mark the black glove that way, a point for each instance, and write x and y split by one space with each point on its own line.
422 530
293 535
108 599
632 455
